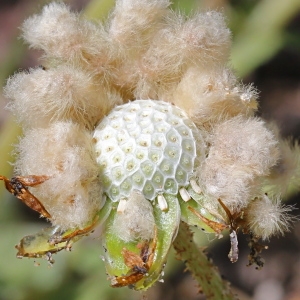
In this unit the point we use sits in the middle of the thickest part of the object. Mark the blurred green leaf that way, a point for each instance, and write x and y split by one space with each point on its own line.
99 9
262 34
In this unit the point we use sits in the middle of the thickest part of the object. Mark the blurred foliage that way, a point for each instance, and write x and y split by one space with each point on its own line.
259 31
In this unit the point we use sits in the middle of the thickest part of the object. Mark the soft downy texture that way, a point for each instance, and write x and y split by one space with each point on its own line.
65 36
210 95
145 51
131 29
196 41
64 93
63 152
228 173
267 217
136 221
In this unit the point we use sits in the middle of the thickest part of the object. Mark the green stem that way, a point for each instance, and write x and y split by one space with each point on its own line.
204 272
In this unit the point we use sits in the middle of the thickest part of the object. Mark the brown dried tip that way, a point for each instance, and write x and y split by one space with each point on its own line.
139 264
18 187
216 226
138 268
255 250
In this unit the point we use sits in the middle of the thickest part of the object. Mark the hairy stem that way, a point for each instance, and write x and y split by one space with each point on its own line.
204 272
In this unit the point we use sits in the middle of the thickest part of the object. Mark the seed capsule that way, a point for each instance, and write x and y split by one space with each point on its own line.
146 152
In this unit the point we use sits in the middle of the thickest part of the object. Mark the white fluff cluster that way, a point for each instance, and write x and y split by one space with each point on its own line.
267 217
136 221
241 151
144 51
58 94
63 35
135 22
213 95
63 152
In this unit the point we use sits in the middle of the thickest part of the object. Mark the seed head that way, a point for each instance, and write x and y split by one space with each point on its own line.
136 124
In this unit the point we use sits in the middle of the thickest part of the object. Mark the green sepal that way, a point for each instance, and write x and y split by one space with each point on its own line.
37 245
189 216
167 224
54 239
113 246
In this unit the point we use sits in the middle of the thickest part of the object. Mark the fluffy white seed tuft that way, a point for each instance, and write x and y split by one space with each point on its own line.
146 51
205 39
63 151
241 150
64 93
134 22
245 141
212 95
201 40
63 35
268 217
136 220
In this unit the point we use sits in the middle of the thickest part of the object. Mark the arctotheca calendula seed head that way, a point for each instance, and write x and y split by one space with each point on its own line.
94 152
